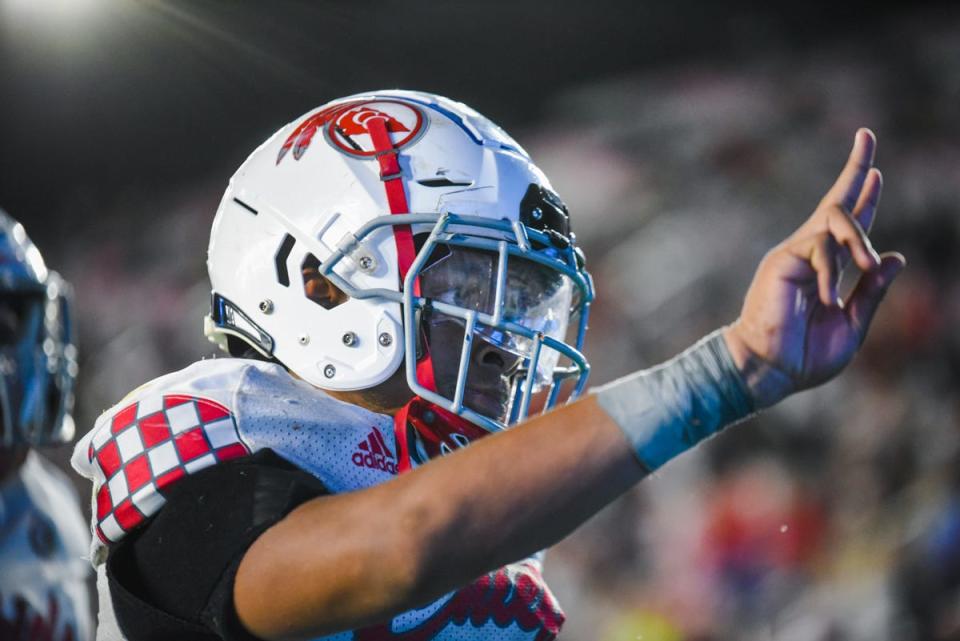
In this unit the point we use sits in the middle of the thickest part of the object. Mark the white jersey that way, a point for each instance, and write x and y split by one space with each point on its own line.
43 576
216 410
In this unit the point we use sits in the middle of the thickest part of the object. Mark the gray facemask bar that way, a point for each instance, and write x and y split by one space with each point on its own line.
516 240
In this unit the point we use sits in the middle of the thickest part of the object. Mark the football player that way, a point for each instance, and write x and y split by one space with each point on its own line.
396 279
43 590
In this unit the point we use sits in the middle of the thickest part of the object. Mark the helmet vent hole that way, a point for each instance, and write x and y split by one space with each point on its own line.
280 260
245 206
444 182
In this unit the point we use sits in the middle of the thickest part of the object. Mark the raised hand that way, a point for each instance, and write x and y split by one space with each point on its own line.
794 332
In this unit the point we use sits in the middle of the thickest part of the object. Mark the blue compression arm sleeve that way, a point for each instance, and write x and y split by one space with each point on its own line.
669 408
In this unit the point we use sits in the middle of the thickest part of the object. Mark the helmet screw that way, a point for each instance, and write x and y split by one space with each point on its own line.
429 417
385 339
329 371
366 263
349 339
303 339
266 306
536 213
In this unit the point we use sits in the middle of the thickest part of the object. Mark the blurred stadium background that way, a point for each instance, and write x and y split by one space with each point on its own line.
687 137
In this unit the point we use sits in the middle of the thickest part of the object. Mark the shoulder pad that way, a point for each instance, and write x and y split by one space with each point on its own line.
173 426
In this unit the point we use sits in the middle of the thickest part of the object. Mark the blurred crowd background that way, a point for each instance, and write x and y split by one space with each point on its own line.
687 140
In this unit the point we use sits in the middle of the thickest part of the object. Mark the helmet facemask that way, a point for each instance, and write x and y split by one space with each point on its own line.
512 293
501 285
533 295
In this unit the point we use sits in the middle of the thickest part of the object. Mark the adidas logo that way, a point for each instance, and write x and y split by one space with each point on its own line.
375 454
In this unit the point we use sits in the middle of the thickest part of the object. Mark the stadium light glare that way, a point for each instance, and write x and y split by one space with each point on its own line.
49 15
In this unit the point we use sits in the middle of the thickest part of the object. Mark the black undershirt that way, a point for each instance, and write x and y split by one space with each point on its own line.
173 578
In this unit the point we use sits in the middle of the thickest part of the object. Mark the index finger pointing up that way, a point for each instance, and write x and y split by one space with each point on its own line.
846 191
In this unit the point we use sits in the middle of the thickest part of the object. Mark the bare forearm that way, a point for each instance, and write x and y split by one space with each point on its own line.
403 543
561 468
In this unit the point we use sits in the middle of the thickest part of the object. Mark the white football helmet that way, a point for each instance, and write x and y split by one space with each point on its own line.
38 360
368 189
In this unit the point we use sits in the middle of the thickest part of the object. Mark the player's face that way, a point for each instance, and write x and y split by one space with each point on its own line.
535 297
489 376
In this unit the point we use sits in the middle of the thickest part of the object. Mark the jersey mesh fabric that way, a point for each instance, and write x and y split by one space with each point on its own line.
317 433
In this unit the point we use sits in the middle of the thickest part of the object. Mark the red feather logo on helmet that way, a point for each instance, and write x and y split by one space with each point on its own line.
345 127
353 122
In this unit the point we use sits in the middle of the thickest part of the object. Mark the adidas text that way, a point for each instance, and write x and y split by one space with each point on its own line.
377 462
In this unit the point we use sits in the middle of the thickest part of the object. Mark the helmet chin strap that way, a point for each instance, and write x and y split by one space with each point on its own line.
434 424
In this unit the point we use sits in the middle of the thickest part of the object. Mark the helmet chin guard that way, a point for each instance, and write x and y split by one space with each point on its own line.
335 189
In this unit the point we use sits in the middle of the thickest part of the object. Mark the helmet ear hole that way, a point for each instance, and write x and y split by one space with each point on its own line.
239 348
318 287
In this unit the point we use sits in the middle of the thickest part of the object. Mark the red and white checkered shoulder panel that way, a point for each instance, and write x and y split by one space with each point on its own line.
148 446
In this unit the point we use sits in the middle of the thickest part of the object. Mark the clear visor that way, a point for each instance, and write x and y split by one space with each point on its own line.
535 297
